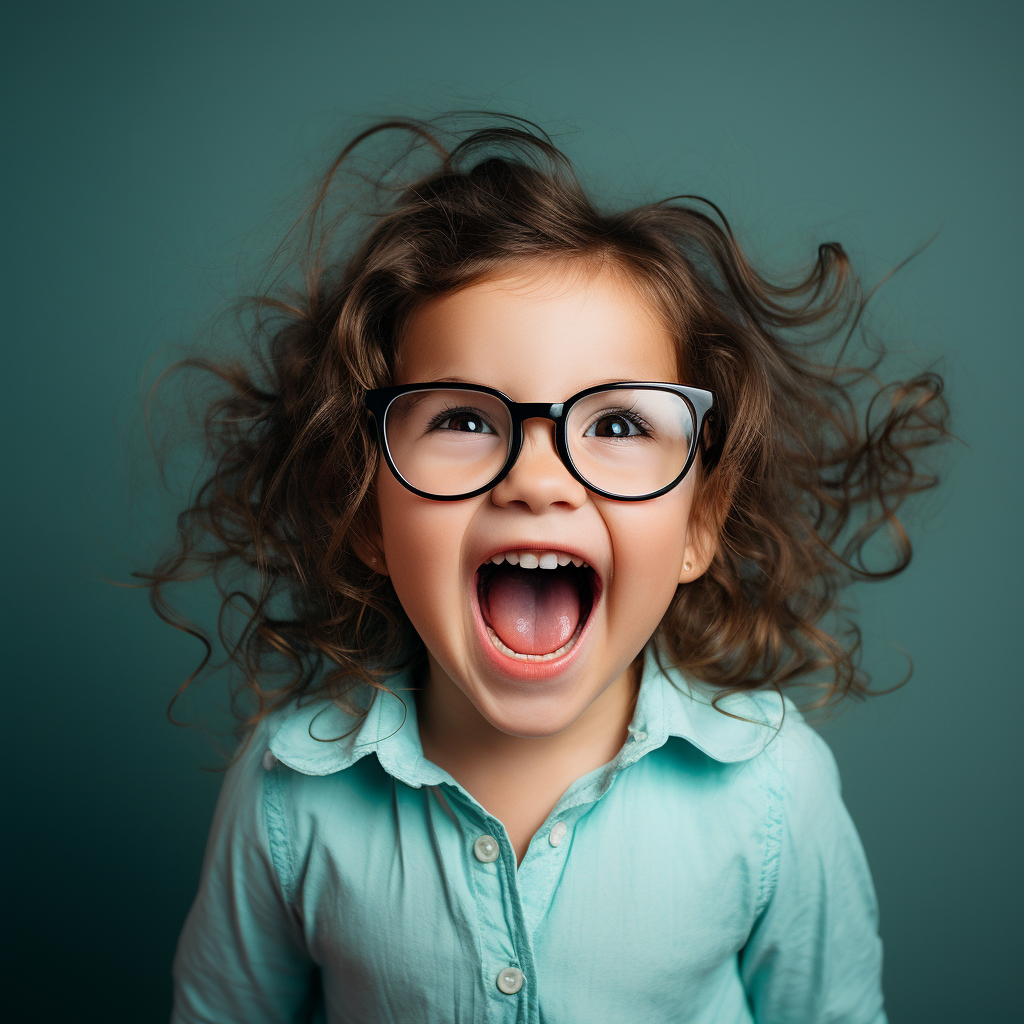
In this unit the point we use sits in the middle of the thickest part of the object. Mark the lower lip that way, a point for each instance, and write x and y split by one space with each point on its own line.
530 671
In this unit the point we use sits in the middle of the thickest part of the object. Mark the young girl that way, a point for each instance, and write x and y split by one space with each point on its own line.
542 507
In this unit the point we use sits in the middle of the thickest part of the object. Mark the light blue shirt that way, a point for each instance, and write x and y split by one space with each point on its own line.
709 873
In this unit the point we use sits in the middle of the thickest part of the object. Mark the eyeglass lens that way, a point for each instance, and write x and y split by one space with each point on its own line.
627 442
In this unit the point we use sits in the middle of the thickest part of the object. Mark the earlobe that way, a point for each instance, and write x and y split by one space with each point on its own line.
375 563
698 554
370 554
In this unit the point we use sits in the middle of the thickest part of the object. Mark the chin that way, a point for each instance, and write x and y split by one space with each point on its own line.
530 710
531 723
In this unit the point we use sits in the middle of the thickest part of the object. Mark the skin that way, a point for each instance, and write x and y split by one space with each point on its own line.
539 334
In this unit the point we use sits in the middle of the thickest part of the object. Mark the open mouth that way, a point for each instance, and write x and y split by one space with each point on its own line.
535 610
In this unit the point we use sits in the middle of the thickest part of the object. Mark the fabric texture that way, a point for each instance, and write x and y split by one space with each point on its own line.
709 873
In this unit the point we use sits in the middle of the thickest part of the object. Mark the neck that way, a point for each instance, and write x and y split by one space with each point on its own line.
491 764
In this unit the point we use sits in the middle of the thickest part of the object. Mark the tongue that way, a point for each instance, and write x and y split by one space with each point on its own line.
533 611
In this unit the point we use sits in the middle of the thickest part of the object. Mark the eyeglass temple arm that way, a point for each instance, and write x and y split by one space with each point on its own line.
711 447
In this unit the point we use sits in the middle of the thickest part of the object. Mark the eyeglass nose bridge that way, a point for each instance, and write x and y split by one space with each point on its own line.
521 412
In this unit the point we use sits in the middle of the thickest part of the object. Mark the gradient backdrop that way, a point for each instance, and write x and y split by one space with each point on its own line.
151 150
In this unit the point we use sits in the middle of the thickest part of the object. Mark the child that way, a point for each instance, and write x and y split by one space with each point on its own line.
545 507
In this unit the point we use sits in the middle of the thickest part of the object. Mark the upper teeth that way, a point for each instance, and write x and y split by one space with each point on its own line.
536 559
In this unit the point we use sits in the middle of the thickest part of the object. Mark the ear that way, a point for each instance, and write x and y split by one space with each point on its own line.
701 545
369 550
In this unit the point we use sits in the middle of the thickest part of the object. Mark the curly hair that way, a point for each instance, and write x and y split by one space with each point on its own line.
814 454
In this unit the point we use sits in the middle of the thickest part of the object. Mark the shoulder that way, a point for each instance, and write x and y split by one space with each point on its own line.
322 770
281 792
758 725
807 822
810 844
242 789
797 750
279 763
803 763
757 746
794 762
764 737
762 725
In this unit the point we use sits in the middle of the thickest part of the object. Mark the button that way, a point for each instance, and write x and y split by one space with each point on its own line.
510 980
557 833
639 735
486 849
269 761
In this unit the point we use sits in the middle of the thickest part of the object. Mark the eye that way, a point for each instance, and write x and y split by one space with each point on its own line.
618 423
468 421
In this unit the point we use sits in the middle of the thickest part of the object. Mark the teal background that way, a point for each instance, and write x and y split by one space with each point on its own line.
150 151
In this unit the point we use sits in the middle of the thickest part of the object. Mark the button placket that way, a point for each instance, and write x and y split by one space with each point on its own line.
500 937
504 943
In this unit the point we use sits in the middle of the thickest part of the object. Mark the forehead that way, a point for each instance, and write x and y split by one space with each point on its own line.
540 333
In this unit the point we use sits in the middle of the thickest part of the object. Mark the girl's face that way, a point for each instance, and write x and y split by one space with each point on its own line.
538 335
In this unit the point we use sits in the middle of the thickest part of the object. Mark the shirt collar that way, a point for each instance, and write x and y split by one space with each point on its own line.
672 704
319 738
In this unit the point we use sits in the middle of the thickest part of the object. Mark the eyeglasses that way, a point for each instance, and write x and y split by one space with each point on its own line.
630 441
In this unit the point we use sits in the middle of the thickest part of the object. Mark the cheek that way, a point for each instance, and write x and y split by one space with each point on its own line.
422 541
408 532
650 543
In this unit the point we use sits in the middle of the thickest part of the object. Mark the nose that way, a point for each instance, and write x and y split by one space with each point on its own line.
539 479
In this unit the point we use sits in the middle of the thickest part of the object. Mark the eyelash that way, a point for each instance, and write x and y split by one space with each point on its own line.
460 410
624 414
464 410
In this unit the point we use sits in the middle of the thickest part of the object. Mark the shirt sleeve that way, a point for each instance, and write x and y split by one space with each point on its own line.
814 956
241 957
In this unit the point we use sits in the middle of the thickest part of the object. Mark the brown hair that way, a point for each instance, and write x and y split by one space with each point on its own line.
814 454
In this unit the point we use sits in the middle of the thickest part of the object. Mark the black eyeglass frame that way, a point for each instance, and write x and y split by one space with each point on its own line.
701 403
